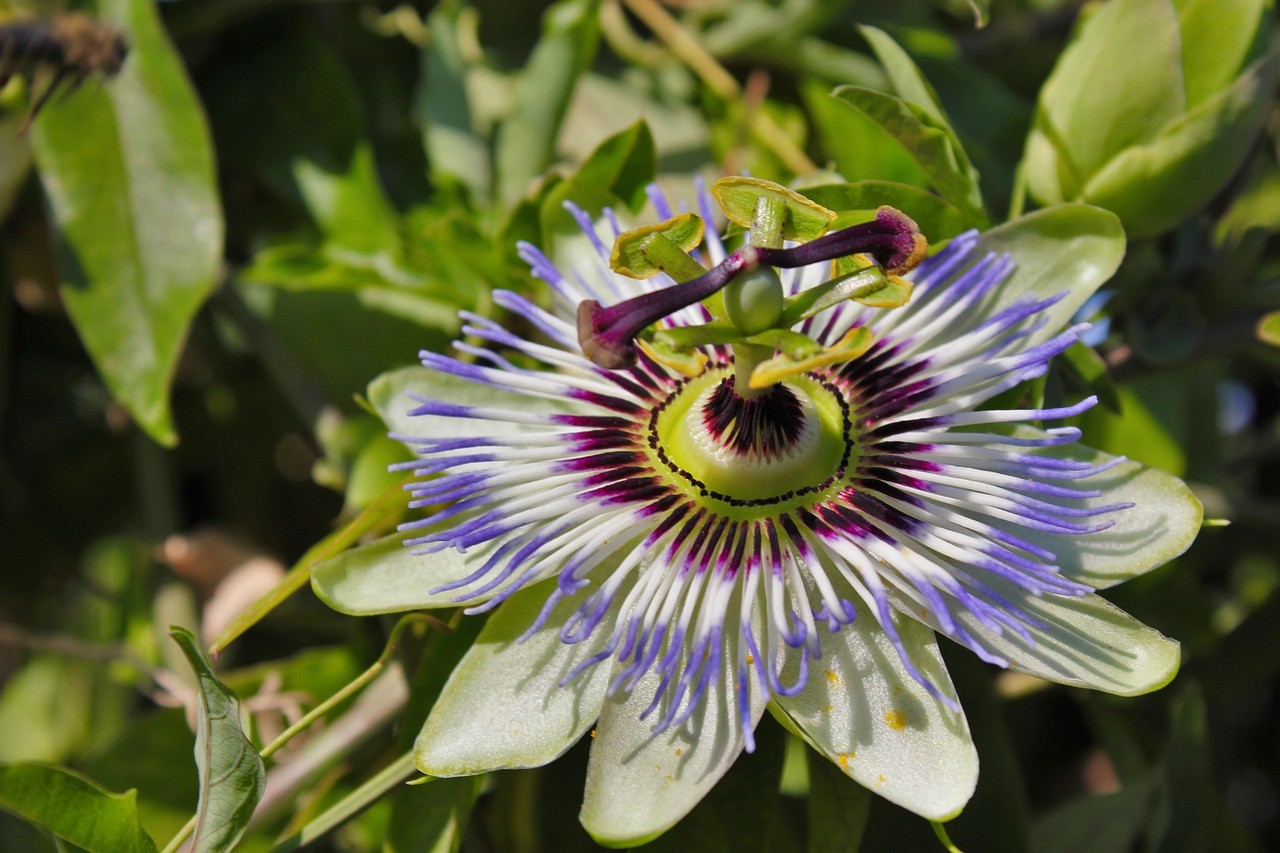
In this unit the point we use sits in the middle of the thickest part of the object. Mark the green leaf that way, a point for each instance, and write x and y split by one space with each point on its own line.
1105 823
931 143
1269 329
860 148
1117 84
1152 186
1257 207
127 168
624 164
907 80
1217 39
865 713
526 140
454 150
616 171
232 778
838 808
507 704
938 219
1153 426
1191 806
431 818
74 808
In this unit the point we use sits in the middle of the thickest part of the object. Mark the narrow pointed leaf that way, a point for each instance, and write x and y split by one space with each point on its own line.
932 145
232 778
74 808
127 168
526 140
907 80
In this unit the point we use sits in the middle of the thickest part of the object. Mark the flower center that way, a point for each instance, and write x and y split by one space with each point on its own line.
781 444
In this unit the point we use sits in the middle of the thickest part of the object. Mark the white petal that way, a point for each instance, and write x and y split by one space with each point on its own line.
384 576
864 712
1083 642
1161 525
503 706
640 784
390 396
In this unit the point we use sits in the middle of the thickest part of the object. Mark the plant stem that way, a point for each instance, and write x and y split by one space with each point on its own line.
690 51
359 682
384 508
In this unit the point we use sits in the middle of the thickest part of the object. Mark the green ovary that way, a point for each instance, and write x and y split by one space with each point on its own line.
812 458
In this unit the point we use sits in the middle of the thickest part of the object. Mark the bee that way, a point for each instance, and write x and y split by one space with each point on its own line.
73 47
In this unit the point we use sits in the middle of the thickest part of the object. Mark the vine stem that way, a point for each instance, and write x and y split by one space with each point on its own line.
383 508
355 685
690 51
183 835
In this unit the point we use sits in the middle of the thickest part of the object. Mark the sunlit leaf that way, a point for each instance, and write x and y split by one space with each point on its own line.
232 777
526 139
127 169
932 144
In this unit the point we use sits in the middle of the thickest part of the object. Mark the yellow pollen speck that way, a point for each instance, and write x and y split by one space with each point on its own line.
923 613
897 690
593 732
881 777
829 708
751 659
832 677
844 759
668 777
896 720
679 751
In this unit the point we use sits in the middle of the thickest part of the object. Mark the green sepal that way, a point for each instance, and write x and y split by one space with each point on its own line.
738 198
663 247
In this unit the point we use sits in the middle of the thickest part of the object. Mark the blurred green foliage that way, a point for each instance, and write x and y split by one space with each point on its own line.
208 258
